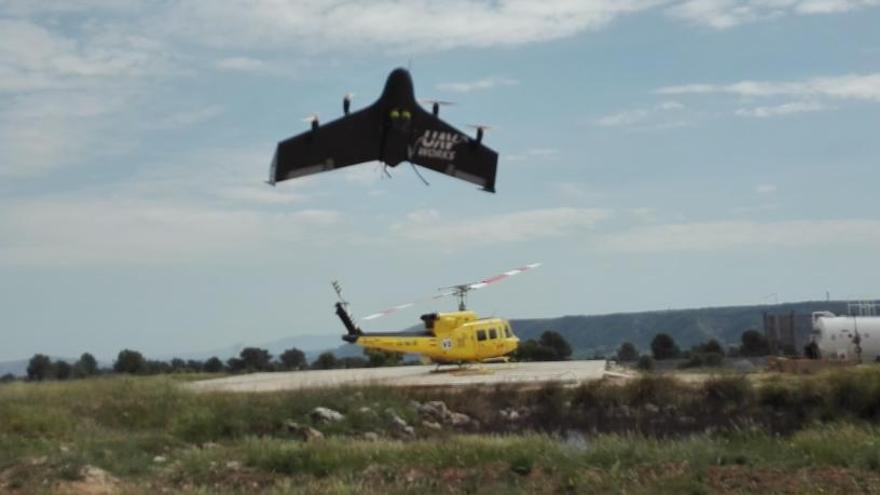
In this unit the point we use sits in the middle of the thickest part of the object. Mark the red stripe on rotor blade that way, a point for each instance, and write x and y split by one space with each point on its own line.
495 279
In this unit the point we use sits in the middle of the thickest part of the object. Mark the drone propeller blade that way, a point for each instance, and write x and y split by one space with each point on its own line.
484 127
439 102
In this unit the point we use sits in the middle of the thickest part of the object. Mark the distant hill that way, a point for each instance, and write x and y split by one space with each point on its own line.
604 333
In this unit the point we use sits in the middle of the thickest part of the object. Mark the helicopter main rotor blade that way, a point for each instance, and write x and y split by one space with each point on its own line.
502 276
395 309
451 291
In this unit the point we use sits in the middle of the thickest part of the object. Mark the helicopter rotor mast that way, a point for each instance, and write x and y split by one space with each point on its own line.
461 291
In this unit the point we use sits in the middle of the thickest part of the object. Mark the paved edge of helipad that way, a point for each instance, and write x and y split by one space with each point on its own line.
565 372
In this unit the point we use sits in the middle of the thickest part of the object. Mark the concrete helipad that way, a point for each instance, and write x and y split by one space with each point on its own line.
566 372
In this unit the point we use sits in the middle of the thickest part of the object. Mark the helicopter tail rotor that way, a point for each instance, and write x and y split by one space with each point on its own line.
353 331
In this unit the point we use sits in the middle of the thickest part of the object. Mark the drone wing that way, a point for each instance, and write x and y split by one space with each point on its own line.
442 148
353 139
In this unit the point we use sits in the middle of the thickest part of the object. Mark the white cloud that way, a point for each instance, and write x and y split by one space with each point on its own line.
532 155
281 67
765 188
732 235
49 129
430 226
752 209
189 118
62 89
215 177
725 14
576 192
850 87
367 174
29 7
478 85
782 110
206 205
812 95
658 115
625 118
241 64
410 26
644 214
121 230
832 6
33 57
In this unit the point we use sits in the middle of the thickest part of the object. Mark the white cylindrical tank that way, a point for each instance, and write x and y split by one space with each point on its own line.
847 337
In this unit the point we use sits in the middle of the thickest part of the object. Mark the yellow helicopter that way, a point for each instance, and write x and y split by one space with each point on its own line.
447 338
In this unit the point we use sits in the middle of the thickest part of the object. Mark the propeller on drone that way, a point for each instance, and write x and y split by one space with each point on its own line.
480 128
436 104
459 291
312 119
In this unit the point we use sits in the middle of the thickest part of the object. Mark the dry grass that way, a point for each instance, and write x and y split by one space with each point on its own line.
237 443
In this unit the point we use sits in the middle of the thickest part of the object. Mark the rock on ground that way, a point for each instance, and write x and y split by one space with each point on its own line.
304 433
399 427
326 415
438 412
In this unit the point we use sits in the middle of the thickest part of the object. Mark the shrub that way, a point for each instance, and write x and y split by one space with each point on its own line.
86 366
293 359
645 363
627 352
40 367
664 347
723 391
213 365
129 361
754 344
325 361
549 407
654 389
699 360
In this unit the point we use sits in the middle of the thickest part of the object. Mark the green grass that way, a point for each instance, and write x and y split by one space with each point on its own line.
50 431
519 462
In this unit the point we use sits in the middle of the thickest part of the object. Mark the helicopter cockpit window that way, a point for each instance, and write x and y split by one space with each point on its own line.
481 335
493 334
507 332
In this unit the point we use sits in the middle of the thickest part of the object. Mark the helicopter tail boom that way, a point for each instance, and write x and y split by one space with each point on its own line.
354 332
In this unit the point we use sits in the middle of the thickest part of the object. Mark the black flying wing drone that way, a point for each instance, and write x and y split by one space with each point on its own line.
393 129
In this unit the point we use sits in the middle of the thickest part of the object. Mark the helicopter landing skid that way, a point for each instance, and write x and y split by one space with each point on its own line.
471 368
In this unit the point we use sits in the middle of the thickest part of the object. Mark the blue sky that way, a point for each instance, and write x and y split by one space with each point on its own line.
653 154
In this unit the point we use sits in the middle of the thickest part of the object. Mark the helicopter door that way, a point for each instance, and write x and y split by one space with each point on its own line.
483 344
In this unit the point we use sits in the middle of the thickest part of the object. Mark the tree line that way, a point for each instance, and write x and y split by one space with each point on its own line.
550 346
250 359
711 353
